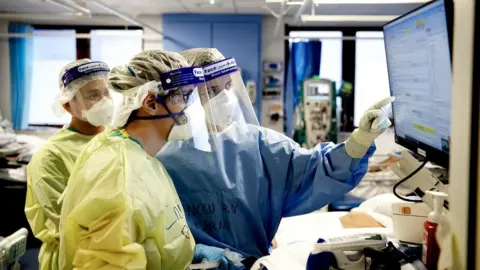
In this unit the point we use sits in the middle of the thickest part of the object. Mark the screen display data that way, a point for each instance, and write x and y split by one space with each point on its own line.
420 74
318 91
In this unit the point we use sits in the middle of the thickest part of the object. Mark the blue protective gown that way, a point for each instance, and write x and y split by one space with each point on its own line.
235 197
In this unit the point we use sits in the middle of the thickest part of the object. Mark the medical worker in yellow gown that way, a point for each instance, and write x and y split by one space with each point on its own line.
84 95
120 209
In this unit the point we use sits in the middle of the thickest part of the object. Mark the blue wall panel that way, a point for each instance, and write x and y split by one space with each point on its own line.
239 41
180 36
238 36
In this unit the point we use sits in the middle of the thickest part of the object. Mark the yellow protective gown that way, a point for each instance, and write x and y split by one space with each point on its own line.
121 211
47 176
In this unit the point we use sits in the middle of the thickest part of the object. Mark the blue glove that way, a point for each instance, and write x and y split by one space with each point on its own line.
229 260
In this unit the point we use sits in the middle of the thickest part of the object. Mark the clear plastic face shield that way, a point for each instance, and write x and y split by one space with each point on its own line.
91 102
183 88
228 98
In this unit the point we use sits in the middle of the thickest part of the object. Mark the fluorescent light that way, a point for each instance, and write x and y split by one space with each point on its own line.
299 3
347 18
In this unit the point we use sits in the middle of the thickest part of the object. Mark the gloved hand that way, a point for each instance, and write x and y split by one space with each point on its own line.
372 124
229 260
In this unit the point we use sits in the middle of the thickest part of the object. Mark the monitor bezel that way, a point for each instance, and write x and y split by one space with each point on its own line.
430 153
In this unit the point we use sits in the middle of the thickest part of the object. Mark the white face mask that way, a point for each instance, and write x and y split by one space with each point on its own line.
223 108
195 123
100 114
179 132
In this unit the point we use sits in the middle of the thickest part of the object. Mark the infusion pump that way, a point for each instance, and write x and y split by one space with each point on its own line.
317 96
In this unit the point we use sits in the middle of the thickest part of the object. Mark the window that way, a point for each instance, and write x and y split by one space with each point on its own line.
47 63
371 77
331 62
115 47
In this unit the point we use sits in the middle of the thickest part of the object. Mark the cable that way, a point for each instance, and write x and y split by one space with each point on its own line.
405 179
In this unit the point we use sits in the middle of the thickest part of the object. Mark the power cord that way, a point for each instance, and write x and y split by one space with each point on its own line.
405 179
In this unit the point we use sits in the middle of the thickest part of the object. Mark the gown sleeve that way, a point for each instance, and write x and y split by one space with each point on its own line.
310 178
47 176
46 180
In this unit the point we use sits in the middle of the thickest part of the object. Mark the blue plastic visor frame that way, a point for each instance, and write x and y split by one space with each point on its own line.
84 70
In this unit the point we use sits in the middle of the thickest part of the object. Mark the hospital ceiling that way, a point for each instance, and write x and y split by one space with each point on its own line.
153 7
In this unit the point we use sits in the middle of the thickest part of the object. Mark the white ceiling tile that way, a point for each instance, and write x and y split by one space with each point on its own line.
148 7
30 6
243 10
250 3
153 7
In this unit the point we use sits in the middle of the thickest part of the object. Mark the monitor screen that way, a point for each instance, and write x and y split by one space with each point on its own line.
420 74
319 91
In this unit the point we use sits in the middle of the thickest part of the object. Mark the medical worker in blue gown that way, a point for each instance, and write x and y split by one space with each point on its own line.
236 194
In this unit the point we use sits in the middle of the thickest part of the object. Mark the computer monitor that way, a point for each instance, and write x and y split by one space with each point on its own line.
418 49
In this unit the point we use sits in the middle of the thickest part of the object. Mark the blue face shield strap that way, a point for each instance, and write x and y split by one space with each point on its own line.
174 116
83 70
131 71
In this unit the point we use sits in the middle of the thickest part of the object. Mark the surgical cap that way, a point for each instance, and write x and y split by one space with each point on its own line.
70 88
202 56
144 67
140 77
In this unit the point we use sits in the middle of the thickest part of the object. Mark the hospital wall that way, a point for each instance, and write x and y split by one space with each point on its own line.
155 42
273 49
250 38
4 73
238 36
267 45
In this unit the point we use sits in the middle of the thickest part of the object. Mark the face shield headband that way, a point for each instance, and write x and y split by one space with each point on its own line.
219 69
174 81
83 70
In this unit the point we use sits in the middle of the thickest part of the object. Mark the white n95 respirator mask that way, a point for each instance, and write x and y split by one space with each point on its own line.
195 123
223 108
100 114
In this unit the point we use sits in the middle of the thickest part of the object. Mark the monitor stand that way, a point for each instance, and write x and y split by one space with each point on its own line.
420 182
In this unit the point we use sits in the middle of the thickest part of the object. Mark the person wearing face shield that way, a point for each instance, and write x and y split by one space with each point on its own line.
120 208
236 195
85 96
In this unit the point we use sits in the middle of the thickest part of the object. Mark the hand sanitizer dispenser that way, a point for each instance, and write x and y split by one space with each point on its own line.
431 251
